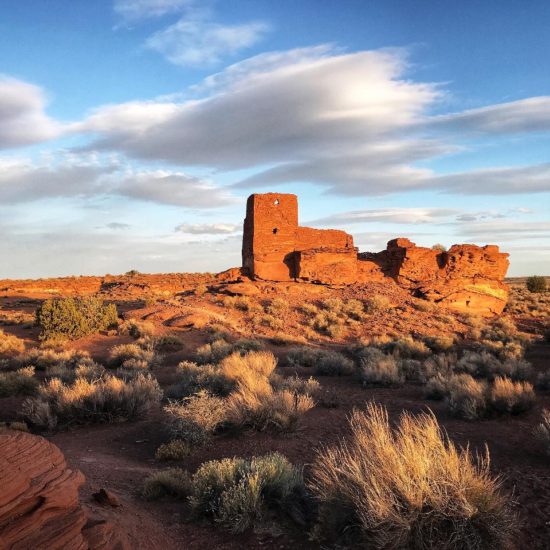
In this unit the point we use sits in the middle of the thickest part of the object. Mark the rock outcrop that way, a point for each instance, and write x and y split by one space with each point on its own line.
275 248
39 502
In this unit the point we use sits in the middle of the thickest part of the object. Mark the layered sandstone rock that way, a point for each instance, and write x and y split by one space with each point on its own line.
276 248
39 502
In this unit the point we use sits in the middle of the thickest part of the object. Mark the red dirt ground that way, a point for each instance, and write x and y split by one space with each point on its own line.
119 457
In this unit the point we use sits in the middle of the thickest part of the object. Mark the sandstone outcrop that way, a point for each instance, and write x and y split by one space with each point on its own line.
39 502
275 248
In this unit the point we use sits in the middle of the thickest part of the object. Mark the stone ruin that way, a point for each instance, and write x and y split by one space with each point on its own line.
275 248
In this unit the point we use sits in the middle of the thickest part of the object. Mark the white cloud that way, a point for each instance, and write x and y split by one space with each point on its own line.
22 114
85 177
197 42
207 228
294 107
389 215
135 10
525 115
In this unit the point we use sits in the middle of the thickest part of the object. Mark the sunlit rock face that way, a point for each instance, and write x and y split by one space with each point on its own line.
275 248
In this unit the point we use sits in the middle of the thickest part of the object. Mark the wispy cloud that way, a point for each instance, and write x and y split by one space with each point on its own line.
136 10
207 228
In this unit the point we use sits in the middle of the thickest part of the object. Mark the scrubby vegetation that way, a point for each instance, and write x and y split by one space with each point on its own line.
536 283
75 317
10 345
107 399
542 431
19 382
407 488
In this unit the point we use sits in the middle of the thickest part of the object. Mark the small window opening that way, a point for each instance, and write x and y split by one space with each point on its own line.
276 203
275 231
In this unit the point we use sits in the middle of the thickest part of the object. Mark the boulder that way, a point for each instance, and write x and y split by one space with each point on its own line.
39 501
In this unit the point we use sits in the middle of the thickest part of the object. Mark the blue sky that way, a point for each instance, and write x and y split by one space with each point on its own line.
132 131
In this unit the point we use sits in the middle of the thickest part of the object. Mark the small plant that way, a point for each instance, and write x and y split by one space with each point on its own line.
466 397
213 352
377 304
242 303
295 384
196 418
508 397
137 328
439 247
177 449
407 488
542 431
408 348
108 399
277 307
10 345
195 377
238 493
333 363
172 482
543 381
74 318
378 369
536 283
19 382
131 357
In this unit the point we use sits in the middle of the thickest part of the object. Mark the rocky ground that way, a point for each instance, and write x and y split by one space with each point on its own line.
118 457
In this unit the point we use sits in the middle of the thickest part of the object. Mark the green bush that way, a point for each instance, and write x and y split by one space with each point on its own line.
536 283
74 318
238 493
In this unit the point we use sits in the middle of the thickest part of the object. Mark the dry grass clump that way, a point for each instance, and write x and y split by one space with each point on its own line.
440 344
17 318
424 305
325 362
379 369
212 352
242 303
407 488
542 431
408 348
108 399
543 381
295 384
73 318
485 365
467 397
132 357
177 449
195 377
51 360
509 397
19 382
377 304
196 418
523 302
277 306
137 328
239 493
283 339
172 482
274 323
10 345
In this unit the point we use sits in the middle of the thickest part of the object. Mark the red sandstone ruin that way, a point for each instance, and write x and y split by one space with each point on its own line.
275 248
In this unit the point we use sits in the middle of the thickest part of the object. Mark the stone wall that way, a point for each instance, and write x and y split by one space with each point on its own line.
466 277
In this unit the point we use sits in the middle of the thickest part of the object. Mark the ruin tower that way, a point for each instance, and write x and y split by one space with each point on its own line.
276 248
270 235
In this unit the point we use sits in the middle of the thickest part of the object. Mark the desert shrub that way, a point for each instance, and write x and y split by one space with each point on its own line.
274 323
177 449
411 369
408 348
441 364
437 387
407 488
333 363
238 493
377 304
250 371
108 399
309 309
543 381
267 409
168 342
424 305
74 317
536 283
283 339
509 397
131 356
379 369
303 356
439 344
137 328
196 418
542 431
10 345
244 345
172 482
213 352
17 318
49 359
485 365
19 382
242 303
17 426
200 290
466 397
502 330
277 306
195 377
327 322
295 384
354 309
438 247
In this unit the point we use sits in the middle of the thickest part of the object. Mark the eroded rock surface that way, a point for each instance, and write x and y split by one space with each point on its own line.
39 502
